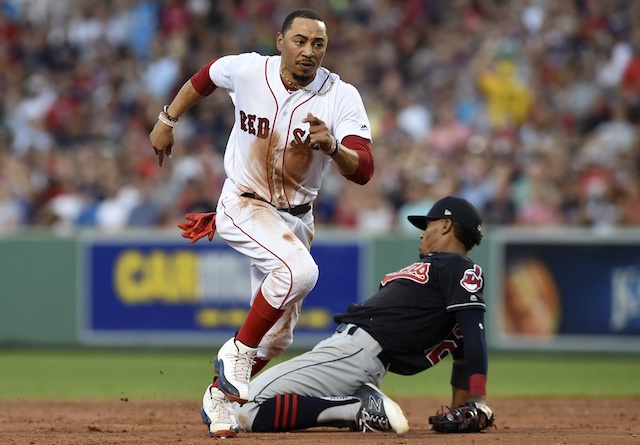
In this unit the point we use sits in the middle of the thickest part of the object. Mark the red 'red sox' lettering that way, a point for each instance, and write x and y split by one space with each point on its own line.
297 141
258 126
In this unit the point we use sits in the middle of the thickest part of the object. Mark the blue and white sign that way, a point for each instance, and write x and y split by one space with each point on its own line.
175 292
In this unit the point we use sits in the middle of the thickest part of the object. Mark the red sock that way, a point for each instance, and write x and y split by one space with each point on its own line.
258 364
259 320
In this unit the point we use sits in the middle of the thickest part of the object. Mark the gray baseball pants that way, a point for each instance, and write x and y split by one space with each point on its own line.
336 367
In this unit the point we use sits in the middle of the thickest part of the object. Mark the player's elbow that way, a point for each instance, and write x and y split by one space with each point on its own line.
359 179
364 164
364 171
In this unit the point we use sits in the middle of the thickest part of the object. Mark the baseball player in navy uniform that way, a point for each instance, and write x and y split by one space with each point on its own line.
293 119
420 313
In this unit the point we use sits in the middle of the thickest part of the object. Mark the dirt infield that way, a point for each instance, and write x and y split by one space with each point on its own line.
522 422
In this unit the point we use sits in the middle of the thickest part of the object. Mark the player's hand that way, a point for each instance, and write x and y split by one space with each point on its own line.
319 135
162 140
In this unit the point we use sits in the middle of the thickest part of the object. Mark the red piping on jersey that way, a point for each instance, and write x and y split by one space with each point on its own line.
286 145
275 118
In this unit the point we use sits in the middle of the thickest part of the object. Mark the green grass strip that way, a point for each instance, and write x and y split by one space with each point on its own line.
160 374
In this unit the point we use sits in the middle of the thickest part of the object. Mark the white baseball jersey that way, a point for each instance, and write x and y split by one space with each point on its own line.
268 150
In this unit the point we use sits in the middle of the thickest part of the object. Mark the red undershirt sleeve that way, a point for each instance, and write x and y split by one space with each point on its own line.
201 80
364 172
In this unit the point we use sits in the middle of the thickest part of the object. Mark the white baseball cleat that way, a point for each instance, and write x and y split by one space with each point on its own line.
378 413
217 413
233 365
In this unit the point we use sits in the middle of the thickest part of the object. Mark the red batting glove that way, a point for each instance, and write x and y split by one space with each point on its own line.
198 226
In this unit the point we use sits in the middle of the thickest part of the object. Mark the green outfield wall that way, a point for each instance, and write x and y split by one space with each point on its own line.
574 290
38 290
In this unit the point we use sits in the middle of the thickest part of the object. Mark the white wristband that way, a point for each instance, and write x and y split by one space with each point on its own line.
162 118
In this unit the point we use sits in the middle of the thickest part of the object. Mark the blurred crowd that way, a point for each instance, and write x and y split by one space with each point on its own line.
528 108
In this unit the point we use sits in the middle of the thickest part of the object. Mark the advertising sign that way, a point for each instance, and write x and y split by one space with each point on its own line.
170 292
573 294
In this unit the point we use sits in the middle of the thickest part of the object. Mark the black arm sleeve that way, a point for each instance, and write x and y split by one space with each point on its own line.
471 322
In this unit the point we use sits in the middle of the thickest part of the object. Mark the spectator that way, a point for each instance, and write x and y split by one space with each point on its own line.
531 79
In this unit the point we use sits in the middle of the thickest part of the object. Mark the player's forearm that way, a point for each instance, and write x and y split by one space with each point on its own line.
467 387
359 167
346 159
186 98
462 395
458 396
471 322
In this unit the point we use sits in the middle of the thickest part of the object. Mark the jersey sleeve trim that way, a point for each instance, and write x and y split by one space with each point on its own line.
456 307
201 81
365 169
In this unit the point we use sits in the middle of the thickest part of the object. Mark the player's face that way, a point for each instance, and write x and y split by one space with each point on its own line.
429 237
302 48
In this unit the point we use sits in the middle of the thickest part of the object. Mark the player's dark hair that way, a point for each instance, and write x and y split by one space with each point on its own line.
302 13
467 236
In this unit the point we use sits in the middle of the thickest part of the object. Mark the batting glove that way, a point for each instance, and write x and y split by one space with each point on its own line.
198 226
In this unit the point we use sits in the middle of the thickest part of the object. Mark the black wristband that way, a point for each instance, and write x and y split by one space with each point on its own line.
335 148
167 115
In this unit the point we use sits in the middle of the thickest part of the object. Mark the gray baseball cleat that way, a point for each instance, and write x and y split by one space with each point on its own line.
217 413
378 413
233 365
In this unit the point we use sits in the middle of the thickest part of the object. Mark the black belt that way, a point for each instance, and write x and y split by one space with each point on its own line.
295 211
382 357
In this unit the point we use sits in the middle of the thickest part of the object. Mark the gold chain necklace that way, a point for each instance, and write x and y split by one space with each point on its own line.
309 90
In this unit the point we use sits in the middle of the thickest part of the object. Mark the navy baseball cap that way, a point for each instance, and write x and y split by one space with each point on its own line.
454 208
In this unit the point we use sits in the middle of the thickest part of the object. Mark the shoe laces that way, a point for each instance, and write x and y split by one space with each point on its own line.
223 411
242 365
373 422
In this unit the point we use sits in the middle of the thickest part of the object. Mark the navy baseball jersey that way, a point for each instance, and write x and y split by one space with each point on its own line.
420 298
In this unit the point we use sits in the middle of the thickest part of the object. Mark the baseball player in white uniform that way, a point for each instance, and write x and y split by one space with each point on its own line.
293 118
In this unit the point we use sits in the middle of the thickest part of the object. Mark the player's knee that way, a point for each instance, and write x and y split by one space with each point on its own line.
296 277
280 345
304 277
307 278
245 415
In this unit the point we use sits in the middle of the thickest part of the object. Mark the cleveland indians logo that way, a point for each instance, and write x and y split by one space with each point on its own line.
472 279
418 272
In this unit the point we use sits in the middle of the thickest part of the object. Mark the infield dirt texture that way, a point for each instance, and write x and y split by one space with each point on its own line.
129 422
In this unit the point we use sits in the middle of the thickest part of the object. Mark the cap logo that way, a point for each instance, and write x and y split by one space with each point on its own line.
447 212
